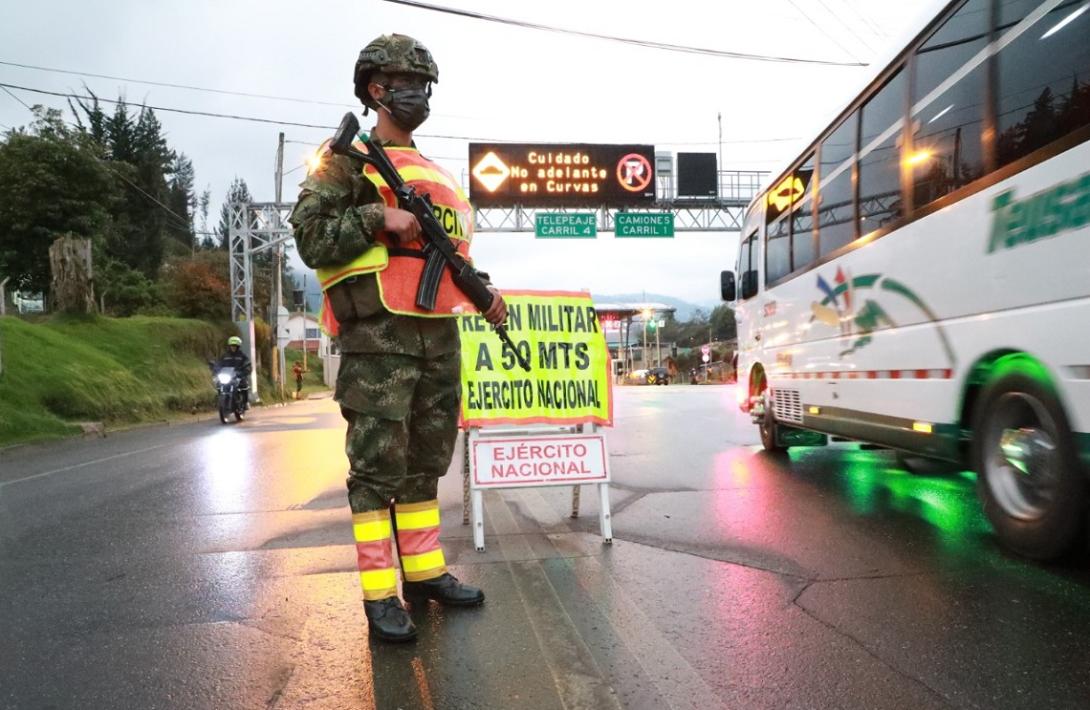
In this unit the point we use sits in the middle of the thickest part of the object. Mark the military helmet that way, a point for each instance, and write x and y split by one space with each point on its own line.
234 340
392 54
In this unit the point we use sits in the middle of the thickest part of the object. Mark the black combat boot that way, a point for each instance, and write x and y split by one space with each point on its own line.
389 621
445 589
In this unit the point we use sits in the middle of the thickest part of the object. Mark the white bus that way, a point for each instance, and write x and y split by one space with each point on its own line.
919 278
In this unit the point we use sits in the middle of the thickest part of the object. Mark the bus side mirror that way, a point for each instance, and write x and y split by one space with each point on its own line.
726 285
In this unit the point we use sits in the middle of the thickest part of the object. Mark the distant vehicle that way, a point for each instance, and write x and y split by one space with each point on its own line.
919 277
658 376
28 302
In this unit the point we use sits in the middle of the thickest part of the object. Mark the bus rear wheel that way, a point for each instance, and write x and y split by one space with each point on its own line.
768 427
1029 477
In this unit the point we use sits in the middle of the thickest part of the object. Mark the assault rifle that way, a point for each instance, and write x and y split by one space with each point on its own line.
439 253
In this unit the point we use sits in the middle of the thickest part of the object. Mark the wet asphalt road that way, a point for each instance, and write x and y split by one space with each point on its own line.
202 566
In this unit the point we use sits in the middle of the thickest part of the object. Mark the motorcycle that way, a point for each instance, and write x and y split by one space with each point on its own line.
228 384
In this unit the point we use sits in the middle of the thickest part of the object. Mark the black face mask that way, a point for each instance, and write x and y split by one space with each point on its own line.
408 107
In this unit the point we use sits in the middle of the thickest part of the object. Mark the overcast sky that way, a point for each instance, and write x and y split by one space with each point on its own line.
496 82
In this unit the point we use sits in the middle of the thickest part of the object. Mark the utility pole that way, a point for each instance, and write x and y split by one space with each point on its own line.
658 347
304 311
278 273
719 167
643 351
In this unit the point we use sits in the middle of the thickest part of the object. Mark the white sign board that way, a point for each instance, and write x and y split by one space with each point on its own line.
524 458
539 461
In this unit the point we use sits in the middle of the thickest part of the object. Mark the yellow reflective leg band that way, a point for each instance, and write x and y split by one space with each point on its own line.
379 583
428 565
369 528
414 516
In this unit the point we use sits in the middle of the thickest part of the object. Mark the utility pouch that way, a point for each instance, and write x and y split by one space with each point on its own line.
355 298
340 301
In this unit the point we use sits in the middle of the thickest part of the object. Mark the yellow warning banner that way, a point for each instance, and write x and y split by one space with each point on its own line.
569 383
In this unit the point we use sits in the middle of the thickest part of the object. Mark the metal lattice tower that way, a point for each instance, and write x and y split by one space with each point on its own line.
254 227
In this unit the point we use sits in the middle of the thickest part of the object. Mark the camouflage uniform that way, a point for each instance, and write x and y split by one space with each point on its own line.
398 384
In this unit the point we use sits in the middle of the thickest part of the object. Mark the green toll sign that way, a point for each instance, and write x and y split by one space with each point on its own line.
565 225
643 224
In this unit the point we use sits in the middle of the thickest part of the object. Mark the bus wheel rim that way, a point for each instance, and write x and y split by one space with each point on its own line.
1022 461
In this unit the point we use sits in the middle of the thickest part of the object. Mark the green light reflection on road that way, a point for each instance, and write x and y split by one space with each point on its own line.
872 484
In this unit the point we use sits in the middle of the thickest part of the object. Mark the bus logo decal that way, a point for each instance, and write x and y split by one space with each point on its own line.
1045 214
849 304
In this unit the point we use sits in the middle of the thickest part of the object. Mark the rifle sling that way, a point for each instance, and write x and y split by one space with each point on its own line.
405 251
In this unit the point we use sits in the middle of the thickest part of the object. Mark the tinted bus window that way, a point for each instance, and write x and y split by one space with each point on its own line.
1044 79
777 250
880 170
802 217
747 267
947 148
836 206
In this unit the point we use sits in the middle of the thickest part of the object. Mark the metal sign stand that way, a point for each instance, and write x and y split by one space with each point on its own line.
473 495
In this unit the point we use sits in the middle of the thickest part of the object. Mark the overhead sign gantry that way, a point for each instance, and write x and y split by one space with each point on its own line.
574 191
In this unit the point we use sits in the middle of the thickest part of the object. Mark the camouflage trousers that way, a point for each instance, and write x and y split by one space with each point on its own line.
402 414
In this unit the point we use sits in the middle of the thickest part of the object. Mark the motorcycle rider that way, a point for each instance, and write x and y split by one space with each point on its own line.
234 357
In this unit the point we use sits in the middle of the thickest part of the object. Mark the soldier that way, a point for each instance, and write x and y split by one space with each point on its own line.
297 370
398 385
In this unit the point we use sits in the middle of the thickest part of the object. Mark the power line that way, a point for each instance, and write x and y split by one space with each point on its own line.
167 84
846 26
438 136
192 87
822 30
24 103
878 31
190 112
623 40
182 221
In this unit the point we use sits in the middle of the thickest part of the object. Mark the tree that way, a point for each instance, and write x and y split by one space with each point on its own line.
183 201
140 159
198 286
53 182
122 290
237 192
722 323
203 203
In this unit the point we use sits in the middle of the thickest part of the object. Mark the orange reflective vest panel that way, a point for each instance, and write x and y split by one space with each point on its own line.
398 273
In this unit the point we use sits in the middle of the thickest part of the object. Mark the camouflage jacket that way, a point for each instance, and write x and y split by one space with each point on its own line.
337 218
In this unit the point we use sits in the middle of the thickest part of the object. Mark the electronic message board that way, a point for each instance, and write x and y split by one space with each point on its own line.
553 175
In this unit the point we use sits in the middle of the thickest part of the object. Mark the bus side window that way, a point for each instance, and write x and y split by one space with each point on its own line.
777 250
802 217
836 203
880 169
947 146
1044 78
747 267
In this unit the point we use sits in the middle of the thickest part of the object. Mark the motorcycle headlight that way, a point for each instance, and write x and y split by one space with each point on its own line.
223 378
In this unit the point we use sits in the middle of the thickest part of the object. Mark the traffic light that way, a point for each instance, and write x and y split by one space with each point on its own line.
673 351
651 325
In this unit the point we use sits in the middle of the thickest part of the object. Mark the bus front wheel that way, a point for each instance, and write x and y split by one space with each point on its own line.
1029 477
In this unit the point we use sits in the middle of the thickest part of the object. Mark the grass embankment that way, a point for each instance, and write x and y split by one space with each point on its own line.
112 370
